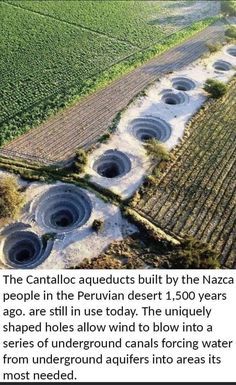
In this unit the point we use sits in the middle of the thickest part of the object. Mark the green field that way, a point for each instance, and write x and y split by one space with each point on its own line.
52 52
136 22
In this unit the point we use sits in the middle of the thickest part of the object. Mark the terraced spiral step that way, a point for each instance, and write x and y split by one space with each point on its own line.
174 98
222 65
150 127
22 248
183 84
63 208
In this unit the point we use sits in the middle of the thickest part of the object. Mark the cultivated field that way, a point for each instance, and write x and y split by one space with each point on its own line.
196 195
139 23
54 52
128 73
84 123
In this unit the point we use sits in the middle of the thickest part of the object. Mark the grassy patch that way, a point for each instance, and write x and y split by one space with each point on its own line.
157 151
11 198
80 161
214 47
104 138
215 88
228 7
231 32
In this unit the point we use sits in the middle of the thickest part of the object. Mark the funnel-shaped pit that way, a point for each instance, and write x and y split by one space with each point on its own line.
63 208
23 249
174 98
112 164
183 84
232 51
221 65
150 127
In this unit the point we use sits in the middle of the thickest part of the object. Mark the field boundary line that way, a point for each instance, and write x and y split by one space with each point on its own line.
155 223
75 25
125 58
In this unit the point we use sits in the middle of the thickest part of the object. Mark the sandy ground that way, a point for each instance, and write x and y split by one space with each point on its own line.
152 105
71 248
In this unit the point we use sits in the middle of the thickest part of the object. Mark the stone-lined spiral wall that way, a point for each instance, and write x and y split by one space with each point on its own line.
22 248
183 84
63 208
112 164
173 97
150 127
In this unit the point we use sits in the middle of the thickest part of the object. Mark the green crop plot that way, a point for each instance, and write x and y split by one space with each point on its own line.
53 52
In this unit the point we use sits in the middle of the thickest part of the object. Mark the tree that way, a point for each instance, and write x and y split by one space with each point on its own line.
11 199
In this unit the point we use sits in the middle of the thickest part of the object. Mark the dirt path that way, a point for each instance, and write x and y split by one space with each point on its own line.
82 124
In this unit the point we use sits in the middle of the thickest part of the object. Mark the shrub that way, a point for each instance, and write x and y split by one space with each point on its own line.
157 150
214 47
11 199
101 262
231 32
87 177
97 225
192 254
80 161
228 7
104 138
215 88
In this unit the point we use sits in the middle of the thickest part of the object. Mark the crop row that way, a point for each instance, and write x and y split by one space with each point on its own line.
84 123
46 56
47 63
141 23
